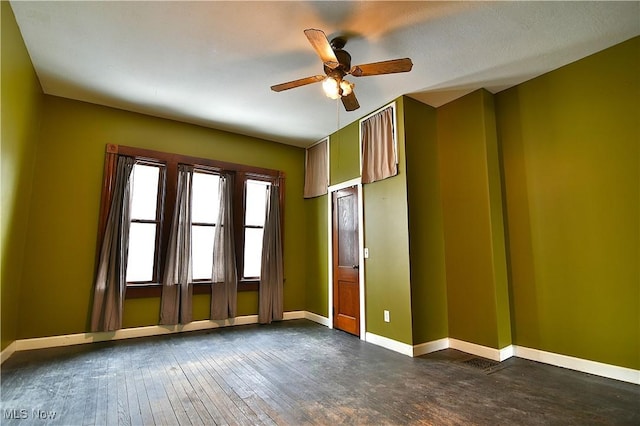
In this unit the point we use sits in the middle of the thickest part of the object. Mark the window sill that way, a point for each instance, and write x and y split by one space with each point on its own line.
140 291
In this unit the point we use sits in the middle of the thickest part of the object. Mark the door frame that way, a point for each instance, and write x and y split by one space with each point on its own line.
357 182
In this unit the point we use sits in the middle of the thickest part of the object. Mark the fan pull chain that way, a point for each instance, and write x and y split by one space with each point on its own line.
338 127
338 114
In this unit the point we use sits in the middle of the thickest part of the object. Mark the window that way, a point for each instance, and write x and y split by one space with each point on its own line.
254 215
204 215
144 231
153 194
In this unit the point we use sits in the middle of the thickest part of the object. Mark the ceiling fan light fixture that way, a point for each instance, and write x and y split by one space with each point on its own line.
331 88
347 87
337 64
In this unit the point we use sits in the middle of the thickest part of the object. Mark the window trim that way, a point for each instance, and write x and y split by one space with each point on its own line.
170 162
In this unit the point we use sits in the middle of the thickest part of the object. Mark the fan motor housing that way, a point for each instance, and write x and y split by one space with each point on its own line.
344 61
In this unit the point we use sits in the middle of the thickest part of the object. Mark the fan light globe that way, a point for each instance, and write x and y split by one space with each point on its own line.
331 88
347 87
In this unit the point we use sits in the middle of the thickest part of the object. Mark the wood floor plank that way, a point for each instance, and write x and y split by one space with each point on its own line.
215 392
236 406
111 392
282 408
160 406
332 397
72 408
123 416
135 413
146 413
179 400
192 376
238 392
91 394
251 390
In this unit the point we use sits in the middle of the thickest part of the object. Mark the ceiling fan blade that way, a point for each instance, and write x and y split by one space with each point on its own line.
350 102
321 45
298 83
384 67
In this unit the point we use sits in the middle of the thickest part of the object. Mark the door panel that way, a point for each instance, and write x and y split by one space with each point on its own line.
346 258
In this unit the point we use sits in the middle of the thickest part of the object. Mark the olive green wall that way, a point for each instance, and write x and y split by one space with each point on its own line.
477 288
317 262
386 235
426 231
21 100
571 142
60 246
344 154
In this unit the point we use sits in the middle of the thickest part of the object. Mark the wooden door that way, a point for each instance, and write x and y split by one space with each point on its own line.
346 261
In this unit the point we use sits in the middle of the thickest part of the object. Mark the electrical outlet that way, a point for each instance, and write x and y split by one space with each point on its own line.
386 316
366 253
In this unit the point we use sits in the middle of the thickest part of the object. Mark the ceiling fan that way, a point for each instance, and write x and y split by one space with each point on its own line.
337 64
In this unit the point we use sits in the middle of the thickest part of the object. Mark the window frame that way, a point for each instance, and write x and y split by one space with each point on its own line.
166 200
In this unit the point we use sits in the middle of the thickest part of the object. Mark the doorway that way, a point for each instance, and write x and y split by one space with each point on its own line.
346 260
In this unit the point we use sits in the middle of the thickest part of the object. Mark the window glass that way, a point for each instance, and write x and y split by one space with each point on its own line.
143 229
142 245
255 211
256 202
205 198
252 251
145 192
204 215
202 251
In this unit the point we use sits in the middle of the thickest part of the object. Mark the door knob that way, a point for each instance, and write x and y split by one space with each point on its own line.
356 266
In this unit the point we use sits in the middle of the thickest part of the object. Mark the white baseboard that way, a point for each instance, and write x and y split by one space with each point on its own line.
586 366
390 344
482 351
7 352
317 318
506 352
428 347
129 333
291 315
558 360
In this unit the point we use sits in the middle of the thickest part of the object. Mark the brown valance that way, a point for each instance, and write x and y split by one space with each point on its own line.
316 175
378 147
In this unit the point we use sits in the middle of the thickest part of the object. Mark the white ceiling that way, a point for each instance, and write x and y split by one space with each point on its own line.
212 63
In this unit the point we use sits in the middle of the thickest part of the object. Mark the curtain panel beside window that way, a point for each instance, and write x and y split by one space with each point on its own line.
270 304
316 176
378 147
110 283
177 288
225 279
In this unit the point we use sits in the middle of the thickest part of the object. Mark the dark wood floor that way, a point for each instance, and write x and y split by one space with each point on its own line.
294 373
